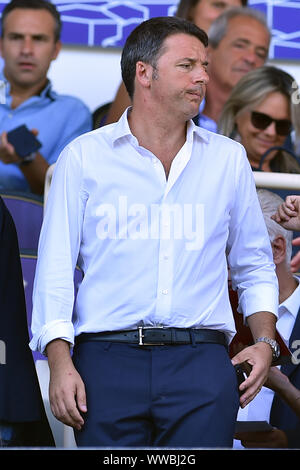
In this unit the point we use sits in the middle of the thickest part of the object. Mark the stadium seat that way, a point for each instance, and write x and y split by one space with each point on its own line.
27 213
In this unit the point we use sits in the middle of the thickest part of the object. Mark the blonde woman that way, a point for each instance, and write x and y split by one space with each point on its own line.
261 114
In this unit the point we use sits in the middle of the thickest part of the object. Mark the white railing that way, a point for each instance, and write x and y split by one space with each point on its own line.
269 180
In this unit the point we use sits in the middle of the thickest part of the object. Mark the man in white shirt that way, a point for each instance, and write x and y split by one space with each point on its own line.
151 208
268 406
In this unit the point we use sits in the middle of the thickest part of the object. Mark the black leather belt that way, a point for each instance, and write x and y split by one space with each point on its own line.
148 336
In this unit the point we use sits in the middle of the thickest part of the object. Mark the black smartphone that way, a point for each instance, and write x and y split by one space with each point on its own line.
241 376
23 141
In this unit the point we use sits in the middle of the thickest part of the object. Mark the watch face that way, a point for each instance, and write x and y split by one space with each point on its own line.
276 351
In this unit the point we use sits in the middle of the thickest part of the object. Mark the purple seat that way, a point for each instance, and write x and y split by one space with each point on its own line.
28 262
27 213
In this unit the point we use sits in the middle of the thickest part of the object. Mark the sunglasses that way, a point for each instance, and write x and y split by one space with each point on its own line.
262 121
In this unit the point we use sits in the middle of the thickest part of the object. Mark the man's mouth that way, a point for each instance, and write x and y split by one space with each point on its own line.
24 65
242 69
198 94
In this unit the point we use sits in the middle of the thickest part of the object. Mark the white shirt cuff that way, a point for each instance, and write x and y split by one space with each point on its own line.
58 329
262 298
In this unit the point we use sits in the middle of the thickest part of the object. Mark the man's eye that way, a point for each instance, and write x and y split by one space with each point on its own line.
15 37
220 5
261 55
185 66
240 45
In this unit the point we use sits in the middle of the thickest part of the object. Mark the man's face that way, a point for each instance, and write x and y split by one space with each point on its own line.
180 78
243 48
28 46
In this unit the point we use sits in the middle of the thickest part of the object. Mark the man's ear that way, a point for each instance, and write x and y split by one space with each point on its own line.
57 49
143 73
279 249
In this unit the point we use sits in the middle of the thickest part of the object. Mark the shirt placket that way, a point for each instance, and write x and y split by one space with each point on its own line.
166 246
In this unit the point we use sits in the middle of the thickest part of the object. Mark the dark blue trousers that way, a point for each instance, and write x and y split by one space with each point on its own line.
161 396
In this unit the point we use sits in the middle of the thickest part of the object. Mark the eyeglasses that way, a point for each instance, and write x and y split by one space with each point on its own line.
262 121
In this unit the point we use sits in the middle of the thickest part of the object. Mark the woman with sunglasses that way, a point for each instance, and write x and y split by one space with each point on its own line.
260 114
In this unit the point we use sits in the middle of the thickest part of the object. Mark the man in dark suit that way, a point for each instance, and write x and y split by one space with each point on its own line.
269 405
23 421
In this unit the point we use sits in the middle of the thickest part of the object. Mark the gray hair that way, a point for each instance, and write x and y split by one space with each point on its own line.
218 29
251 90
269 203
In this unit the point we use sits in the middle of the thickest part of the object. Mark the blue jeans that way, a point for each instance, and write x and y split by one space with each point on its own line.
161 396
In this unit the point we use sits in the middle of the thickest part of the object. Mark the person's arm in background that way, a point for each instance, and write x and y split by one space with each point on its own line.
288 215
34 171
295 261
280 383
275 438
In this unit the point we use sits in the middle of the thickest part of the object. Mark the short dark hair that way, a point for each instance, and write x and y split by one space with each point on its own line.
145 43
184 8
33 5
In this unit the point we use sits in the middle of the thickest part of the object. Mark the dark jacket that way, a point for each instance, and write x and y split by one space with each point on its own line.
20 395
282 416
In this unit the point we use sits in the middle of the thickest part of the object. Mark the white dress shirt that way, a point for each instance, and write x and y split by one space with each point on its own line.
153 250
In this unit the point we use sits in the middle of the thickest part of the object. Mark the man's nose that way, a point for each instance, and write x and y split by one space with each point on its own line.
201 76
27 45
251 57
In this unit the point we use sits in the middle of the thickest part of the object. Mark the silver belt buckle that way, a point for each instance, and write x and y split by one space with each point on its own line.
141 336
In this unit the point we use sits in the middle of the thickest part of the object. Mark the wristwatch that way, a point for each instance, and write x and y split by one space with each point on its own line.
273 344
28 159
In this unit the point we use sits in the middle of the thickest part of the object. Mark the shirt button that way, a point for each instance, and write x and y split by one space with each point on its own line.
165 291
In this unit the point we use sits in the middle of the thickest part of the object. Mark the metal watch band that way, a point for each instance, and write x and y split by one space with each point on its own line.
272 343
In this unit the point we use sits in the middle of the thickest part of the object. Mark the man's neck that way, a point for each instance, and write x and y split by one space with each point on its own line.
161 136
287 283
20 93
215 100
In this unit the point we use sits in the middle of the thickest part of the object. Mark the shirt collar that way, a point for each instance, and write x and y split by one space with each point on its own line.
47 91
292 303
122 129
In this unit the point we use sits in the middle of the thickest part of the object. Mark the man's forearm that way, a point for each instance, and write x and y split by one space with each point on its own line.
262 324
58 353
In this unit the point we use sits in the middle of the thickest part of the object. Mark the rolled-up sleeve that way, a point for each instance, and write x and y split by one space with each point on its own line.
250 255
53 292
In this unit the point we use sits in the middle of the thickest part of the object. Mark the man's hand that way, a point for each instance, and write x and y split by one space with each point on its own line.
295 261
34 173
256 360
288 213
7 151
66 391
275 439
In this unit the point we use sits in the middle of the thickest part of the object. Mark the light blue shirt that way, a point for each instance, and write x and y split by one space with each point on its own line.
204 121
153 250
58 118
